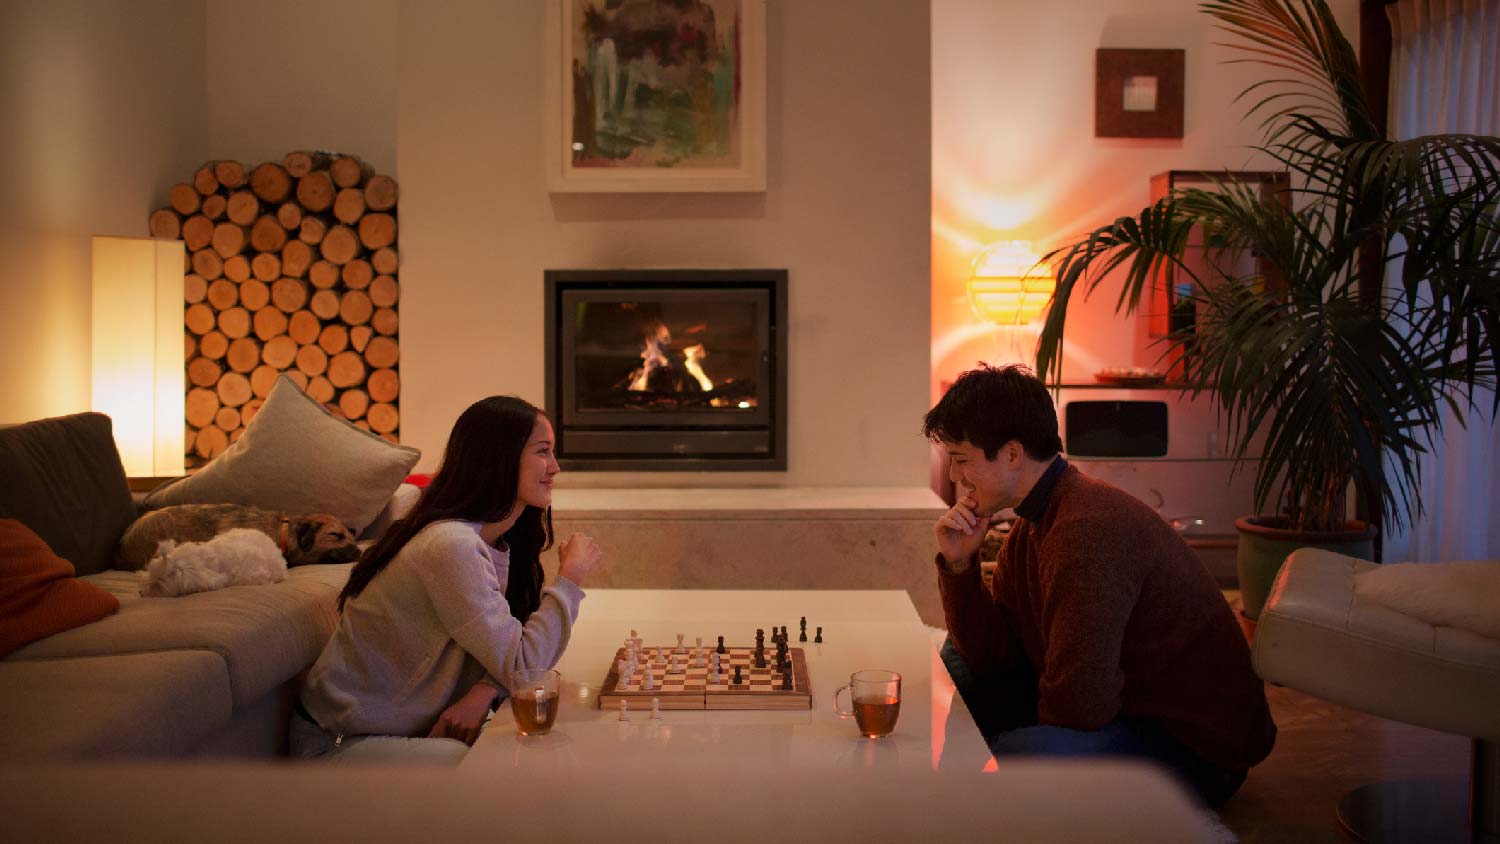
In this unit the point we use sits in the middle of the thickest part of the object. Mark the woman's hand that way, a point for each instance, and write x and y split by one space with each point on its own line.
579 557
465 717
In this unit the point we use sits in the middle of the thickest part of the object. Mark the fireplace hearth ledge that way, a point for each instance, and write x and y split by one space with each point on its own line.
760 538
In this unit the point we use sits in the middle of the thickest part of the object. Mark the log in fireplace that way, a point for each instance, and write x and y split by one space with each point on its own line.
667 369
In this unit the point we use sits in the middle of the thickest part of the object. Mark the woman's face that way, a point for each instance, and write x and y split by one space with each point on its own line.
538 467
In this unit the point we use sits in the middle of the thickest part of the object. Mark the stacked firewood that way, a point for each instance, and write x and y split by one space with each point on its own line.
291 268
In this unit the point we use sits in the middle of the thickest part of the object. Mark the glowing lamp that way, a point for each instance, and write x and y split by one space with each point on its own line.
138 376
1007 286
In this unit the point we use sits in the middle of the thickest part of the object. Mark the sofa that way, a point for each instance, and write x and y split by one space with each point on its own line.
208 674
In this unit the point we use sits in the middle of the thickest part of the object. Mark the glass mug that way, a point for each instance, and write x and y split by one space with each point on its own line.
534 700
877 701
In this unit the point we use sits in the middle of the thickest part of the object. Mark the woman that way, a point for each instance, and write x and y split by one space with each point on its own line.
440 612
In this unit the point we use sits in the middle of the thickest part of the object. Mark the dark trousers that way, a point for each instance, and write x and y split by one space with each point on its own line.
1004 707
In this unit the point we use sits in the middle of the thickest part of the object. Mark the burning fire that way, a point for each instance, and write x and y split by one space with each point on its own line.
693 354
652 356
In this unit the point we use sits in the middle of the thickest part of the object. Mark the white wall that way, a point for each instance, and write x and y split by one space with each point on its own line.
101 106
284 75
846 212
1015 157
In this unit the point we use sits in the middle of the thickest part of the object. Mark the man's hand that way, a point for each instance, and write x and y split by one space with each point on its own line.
466 716
960 532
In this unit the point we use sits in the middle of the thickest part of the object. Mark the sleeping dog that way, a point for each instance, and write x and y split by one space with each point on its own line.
316 538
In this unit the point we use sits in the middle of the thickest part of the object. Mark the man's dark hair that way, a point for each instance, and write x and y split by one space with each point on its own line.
990 406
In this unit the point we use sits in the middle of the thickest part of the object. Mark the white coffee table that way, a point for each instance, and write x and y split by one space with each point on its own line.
861 629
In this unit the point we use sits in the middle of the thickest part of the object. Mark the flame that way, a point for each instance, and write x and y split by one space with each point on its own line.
692 355
652 357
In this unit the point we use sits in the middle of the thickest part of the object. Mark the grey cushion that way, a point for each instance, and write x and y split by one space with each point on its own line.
62 478
162 703
296 457
265 634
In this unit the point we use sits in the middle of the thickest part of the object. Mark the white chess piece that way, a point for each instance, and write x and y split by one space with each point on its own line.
649 681
624 709
625 673
679 643
656 708
674 669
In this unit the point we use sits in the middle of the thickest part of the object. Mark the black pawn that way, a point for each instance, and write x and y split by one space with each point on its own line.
802 631
722 650
819 638
738 680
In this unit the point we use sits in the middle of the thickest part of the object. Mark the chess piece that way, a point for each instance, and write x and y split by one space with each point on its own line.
624 675
674 669
624 709
802 633
713 674
679 643
738 680
661 658
656 708
721 645
648 682
819 638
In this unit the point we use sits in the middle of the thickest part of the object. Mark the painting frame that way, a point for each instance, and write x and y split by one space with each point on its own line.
746 175
1113 68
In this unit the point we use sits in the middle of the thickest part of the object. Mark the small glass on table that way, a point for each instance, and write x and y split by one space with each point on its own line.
534 700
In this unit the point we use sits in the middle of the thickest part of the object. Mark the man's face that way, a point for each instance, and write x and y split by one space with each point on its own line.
991 484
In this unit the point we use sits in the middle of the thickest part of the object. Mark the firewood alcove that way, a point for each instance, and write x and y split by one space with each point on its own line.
291 268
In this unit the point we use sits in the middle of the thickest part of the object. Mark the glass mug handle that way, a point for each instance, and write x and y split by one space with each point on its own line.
836 708
540 695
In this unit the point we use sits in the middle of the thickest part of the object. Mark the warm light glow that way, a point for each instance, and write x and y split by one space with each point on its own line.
138 367
1006 286
692 356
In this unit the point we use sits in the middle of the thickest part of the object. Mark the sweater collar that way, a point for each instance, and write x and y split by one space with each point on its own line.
1034 504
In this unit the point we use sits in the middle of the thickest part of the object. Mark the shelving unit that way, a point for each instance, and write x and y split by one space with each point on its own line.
1167 311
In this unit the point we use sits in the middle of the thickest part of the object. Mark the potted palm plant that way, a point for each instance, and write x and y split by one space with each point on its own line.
1345 382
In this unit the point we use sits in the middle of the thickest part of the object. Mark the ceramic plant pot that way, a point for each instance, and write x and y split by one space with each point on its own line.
1265 543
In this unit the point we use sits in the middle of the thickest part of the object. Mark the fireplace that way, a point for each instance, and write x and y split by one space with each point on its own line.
667 369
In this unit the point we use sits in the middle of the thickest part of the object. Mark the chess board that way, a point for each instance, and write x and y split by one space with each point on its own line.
763 688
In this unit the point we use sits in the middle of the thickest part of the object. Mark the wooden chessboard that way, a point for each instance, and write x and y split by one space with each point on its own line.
763 688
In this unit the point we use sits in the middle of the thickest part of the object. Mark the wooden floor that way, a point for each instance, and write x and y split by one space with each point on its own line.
1323 751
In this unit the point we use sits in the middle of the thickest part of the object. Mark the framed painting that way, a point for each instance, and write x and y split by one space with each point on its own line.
655 96
1138 93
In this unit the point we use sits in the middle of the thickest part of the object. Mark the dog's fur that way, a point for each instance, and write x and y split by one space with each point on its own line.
316 538
237 557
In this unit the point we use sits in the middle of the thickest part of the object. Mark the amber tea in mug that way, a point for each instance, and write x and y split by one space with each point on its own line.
534 700
877 701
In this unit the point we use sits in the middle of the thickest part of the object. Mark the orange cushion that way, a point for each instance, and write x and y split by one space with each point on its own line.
39 594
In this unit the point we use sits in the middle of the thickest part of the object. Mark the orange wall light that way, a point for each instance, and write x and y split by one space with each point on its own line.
1007 286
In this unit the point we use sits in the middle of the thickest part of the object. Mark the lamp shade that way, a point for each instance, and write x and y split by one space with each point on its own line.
138 376
1006 286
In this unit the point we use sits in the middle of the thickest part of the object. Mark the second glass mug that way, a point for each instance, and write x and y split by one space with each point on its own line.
534 700
877 701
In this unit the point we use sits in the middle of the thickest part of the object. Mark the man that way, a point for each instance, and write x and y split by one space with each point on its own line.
1102 632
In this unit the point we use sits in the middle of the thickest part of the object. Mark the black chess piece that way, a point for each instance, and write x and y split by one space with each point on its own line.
722 649
802 631
738 680
819 638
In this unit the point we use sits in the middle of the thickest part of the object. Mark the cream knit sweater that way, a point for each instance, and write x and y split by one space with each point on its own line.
429 626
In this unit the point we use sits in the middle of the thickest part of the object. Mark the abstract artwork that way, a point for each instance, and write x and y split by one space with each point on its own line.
656 95
1138 93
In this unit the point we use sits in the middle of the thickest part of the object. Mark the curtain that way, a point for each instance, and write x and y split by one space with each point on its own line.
1445 78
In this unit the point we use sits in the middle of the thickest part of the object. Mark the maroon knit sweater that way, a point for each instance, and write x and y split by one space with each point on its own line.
1117 616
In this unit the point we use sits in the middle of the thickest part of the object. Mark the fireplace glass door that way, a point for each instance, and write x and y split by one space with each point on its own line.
688 358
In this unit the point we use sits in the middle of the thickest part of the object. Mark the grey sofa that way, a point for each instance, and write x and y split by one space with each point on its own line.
213 673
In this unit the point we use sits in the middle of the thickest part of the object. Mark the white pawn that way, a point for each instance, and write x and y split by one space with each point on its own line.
674 669
649 681
624 709
698 657
661 658
656 708
713 673
625 673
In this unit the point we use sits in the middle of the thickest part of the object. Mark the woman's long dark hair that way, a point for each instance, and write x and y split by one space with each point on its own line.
477 482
